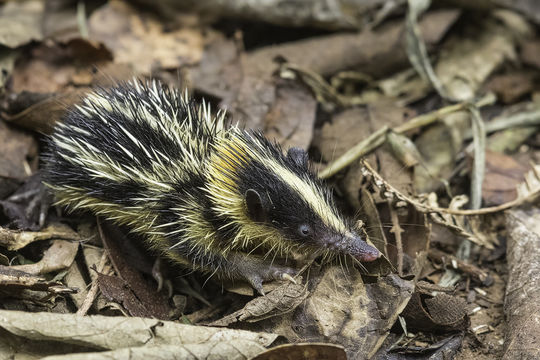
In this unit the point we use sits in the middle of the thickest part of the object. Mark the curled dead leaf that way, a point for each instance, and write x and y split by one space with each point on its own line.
15 240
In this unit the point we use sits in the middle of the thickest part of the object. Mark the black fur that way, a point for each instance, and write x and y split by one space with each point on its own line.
270 201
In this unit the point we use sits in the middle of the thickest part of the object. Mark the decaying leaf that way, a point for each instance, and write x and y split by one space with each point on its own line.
22 150
503 174
129 288
439 146
75 274
459 225
512 87
7 62
442 312
403 149
141 39
342 309
101 333
10 276
336 138
465 63
118 290
58 256
10 279
230 349
278 302
446 348
15 240
21 22
254 93
528 191
523 283
293 102
529 53
342 14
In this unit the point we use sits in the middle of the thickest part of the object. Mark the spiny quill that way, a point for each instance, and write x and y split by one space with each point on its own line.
203 194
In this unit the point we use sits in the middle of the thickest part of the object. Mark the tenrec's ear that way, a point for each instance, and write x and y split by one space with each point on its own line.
299 156
255 207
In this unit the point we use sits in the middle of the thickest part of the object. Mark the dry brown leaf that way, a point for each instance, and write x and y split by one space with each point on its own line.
117 290
130 288
11 278
511 87
439 146
19 153
529 53
15 240
61 22
110 333
521 309
253 94
341 14
503 174
21 22
392 115
58 256
230 349
7 63
336 137
466 62
290 120
141 40
278 302
219 71
441 312
42 72
341 309
74 276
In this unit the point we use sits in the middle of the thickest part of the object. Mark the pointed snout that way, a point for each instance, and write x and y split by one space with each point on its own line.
361 250
369 253
352 244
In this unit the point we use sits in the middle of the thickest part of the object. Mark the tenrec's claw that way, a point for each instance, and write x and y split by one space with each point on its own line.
286 276
256 283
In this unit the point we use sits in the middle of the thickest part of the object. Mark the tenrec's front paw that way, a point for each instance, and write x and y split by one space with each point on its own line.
256 275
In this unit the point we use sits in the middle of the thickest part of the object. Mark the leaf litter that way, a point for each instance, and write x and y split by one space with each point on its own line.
425 122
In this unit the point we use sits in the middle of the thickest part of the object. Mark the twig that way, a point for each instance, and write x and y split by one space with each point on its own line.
479 164
428 209
81 19
397 230
431 117
378 138
528 118
89 300
362 148
471 270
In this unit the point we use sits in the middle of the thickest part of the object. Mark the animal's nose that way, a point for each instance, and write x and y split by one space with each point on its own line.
362 251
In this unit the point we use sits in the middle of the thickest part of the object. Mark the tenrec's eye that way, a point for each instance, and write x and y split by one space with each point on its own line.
304 229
